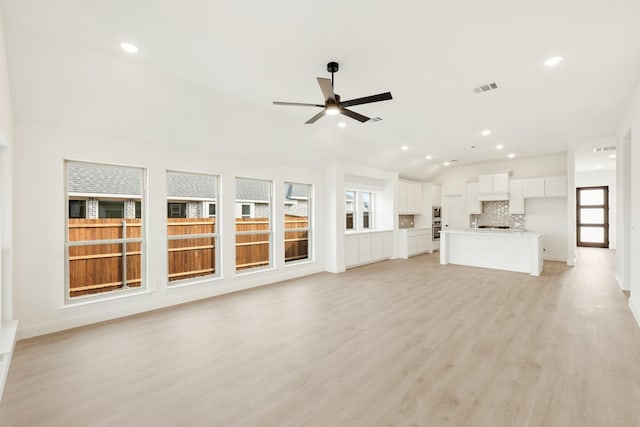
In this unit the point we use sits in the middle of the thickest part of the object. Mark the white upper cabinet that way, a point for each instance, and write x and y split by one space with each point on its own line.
555 186
474 205
533 187
516 197
409 197
494 186
549 186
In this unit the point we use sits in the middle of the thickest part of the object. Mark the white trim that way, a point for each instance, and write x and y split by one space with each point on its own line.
620 282
556 258
635 309
8 331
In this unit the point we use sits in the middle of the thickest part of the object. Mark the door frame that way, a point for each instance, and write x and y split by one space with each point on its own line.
605 207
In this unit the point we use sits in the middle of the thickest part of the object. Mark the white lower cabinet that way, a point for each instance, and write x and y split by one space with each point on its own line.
415 242
367 247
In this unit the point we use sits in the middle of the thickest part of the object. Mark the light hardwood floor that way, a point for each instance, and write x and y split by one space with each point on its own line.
398 343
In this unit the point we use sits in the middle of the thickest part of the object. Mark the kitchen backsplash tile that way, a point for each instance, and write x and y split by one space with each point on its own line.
496 213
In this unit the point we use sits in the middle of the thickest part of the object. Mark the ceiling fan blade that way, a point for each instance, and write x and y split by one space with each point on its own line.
327 90
367 99
354 115
314 118
301 104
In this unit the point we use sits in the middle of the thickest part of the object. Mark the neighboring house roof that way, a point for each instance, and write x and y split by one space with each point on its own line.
348 196
252 189
103 179
297 191
191 185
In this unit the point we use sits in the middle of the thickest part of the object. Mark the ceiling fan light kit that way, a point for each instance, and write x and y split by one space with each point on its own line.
332 104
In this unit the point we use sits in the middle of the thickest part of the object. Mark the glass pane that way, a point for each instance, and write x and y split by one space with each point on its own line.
252 250
77 208
183 226
189 258
110 209
592 197
350 221
592 234
365 220
349 198
253 213
366 201
296 245
91 178
592 216
95 269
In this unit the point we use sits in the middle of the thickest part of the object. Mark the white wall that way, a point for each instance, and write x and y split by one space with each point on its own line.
601 178
39 253
629 184
6 142
548 216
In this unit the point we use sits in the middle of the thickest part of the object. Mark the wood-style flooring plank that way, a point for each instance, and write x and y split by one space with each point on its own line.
397 343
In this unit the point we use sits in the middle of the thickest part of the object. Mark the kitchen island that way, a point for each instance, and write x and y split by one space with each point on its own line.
509 250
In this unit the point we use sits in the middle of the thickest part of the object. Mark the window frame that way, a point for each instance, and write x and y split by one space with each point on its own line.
359 210
268 232
68 300
216 235
308 229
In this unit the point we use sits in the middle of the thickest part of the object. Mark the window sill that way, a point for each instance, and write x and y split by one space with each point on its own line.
194 281
74 303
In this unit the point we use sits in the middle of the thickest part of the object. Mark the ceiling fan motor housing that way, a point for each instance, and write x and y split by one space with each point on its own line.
332 67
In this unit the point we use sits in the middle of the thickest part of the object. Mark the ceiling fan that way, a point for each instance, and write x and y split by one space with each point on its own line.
332 103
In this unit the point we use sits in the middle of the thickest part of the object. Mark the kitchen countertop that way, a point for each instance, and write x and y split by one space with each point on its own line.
494 232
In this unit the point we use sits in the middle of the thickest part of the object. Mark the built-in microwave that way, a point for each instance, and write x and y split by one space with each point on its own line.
436 212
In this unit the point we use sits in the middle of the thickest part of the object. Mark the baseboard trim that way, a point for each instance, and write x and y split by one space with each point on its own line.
8 331
635 309
621 283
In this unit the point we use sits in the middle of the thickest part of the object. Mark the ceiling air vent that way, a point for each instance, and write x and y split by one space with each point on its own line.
604 148
375 119
486 87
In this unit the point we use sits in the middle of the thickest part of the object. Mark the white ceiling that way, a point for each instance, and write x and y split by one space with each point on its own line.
208 71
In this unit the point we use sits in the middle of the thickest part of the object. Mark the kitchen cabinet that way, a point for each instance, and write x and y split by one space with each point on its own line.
366 247
548 186
533 187
516 197
474 205
409 197
414 242
555 186
494 186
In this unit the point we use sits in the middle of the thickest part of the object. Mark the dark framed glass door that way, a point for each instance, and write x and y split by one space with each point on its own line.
592 216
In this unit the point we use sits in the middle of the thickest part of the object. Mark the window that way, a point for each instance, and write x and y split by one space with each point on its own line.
77 208
104 245
297 225
176 210
111 209
246 211
359 210
592 216
191 229
350 198
253 223
366 210
212 210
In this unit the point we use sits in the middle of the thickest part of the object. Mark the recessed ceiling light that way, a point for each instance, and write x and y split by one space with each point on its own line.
404 147
446 163
129 47
499 147
511 155
342 125
553 61
486 132
612 156
429 157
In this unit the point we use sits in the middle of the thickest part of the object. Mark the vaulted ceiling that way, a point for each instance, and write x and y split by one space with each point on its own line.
207 72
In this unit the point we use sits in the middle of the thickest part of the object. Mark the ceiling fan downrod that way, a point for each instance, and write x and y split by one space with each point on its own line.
332 67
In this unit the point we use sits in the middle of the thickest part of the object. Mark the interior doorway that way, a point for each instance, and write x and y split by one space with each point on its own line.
592 216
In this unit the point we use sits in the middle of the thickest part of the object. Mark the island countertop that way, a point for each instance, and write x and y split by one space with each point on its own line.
510 250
